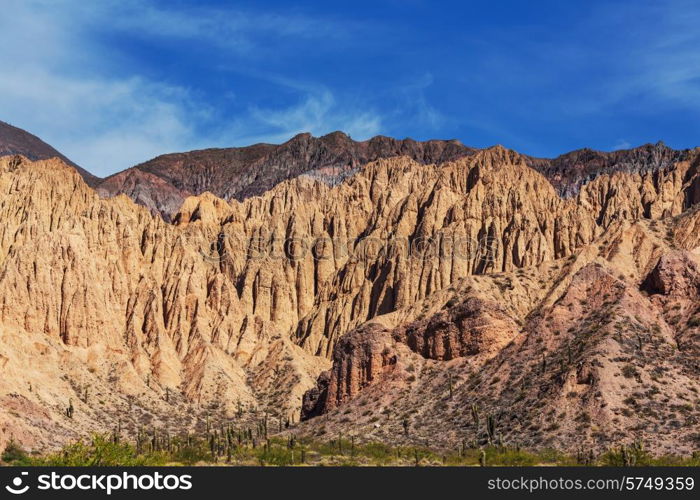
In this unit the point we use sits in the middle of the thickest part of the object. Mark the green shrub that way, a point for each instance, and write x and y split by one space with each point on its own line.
14 454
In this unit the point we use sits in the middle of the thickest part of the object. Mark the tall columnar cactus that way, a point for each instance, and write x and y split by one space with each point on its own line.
491 428
475 414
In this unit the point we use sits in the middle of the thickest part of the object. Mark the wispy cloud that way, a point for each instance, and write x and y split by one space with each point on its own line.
317 113
621 144
60 83
241 30
416 105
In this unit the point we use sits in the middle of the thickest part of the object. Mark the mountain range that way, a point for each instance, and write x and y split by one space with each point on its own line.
399 291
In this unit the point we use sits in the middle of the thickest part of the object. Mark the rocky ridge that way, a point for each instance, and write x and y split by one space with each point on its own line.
456 267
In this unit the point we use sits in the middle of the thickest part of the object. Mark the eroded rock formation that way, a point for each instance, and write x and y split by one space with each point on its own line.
406 275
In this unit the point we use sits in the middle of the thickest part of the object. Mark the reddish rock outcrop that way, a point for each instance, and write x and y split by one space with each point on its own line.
360 358
475 326
677 273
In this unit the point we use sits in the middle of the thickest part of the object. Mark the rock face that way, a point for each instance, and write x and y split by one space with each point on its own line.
370 353
475 326
360 358
675 274
409 280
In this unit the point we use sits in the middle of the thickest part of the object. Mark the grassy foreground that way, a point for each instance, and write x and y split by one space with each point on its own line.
108 451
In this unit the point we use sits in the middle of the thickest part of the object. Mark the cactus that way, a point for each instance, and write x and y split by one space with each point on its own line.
482 458
490 428
70 409
475 414
626 458
449 382
638 446
405 427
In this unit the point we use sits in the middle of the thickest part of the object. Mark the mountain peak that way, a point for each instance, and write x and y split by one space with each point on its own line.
16 141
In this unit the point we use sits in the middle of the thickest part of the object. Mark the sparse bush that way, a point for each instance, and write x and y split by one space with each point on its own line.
14 454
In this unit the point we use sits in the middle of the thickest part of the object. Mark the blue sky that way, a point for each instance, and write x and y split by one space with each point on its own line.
112 83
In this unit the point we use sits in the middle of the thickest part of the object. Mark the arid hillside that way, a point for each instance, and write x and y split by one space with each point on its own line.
416 300
15 141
